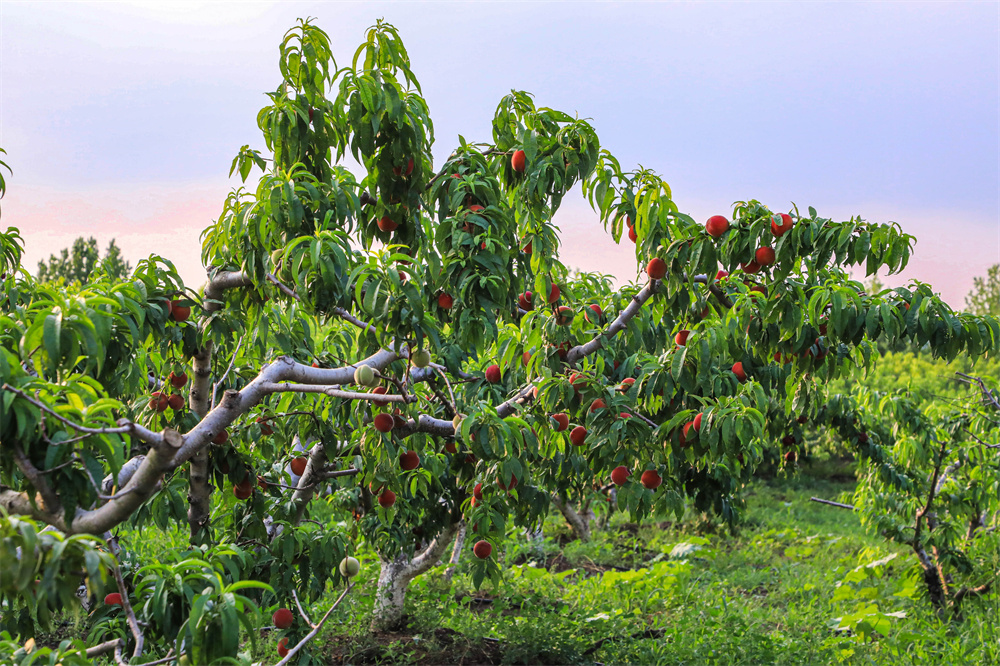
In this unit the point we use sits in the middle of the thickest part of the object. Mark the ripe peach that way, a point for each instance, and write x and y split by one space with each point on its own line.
381 391
221 438
619 475
179 312
594 310
383 422
159 402
387 223
554 293
493 374
482 549
525 301
650 479
764 256
282 618
597 404
564 315
511 486
409 461
387 499
781 224
445 301
682 337
177 381
741 374
577 436
113 599
716 226
298 465
562 421
243 489
656 269
517 161
751 267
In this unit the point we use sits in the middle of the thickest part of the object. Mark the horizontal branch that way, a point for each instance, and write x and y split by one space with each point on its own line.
850 507
75 426
103 648
335 392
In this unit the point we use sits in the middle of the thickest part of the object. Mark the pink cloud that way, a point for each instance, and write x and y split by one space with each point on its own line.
149 219
952 248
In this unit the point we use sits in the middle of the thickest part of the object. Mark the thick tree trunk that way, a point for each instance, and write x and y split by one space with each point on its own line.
395 577
578 522
199 488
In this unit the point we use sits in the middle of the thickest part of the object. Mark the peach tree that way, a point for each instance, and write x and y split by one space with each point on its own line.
403 339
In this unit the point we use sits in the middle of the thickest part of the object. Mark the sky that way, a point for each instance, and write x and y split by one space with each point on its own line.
120 119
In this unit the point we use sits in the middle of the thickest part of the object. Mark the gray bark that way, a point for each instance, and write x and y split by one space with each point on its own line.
395 576
579 522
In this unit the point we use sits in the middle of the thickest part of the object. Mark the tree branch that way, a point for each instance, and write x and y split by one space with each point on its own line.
930 495
850 507
315 630
133 624
630 311
79 428
335 392
36 478
103 648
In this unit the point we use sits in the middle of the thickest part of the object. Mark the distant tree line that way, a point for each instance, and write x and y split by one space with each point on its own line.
79 262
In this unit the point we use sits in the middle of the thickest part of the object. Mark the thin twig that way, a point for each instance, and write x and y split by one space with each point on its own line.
989 446
92 431
216 385
170 657
454 406
302 611
133 624
930 495
285 289
850 507
308 637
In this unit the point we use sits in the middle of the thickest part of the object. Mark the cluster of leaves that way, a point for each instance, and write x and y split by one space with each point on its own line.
42 572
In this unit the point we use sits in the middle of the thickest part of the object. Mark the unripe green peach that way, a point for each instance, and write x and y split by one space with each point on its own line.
421 358
349 567
365 376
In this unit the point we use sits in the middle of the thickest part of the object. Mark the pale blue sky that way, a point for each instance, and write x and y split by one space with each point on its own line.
121 119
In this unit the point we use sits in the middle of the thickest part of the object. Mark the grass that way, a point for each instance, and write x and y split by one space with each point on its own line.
766 595
666 593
